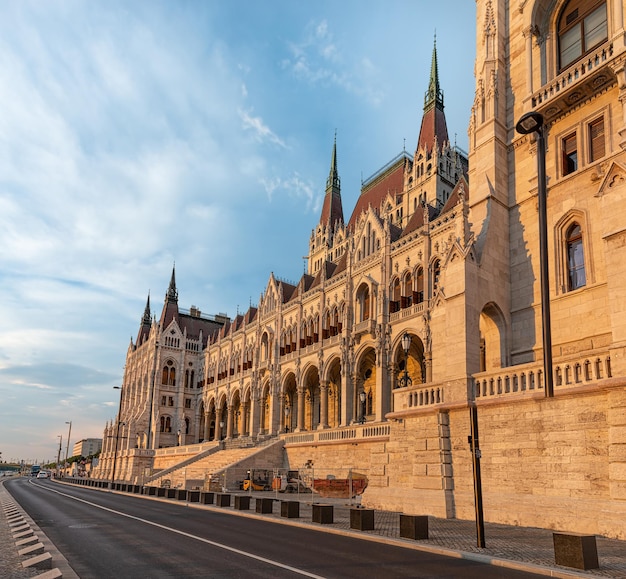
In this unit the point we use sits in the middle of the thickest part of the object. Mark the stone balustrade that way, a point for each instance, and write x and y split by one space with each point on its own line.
354 433
525 378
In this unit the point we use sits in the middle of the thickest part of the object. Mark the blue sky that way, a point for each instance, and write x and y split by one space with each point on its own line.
138 134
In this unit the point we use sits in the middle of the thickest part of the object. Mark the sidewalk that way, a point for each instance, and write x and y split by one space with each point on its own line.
525 548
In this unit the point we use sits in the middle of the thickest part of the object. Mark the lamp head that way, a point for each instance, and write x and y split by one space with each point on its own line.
406 343
529 123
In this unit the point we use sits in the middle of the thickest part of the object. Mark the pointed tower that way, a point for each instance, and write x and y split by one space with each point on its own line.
331 221
434 129
437 165
170 308
146 322
332 209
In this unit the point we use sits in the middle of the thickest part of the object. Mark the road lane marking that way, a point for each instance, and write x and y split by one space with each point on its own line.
189 535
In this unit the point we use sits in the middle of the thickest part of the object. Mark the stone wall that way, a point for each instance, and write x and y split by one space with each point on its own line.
555 463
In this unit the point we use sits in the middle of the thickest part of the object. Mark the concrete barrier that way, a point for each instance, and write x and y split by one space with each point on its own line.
414 526
290 509
362 519
575 550
222 499
322 513
242 502
207 498
264 505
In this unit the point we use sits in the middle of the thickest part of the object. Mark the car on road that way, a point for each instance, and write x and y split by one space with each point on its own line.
43 474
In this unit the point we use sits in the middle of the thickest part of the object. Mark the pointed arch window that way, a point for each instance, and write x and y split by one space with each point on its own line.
576 277
418 294
407 295
436 275
168 376
166 424
582 26
394 303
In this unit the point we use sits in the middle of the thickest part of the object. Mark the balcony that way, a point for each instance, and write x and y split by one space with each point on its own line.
582 80
364 327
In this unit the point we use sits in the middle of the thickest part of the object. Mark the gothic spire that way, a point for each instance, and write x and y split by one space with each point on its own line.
332 209
333 176
147 316
434 129
434 94
172 292
146 322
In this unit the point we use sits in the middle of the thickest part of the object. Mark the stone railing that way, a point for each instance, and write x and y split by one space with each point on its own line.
526 378
409 312
574 74
182 450
356 433
420 395
364 327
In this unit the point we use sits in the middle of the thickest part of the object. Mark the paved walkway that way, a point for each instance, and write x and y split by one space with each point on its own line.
523 548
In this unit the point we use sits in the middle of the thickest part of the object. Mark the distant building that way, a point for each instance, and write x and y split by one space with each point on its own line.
87 447
426 304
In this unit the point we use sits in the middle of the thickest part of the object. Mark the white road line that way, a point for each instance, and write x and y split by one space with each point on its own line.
207 541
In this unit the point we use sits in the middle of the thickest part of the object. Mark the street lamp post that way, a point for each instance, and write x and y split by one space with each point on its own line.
287 412
117 436
362 406
221 430
60 437
406 346
67 446
532 122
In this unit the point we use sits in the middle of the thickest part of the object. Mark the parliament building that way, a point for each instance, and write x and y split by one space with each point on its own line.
422 312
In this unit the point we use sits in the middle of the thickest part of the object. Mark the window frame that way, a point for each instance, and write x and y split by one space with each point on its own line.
569 156
592 158
579 21
561 231
574 241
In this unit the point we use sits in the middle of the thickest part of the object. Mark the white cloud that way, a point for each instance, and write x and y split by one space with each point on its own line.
259 129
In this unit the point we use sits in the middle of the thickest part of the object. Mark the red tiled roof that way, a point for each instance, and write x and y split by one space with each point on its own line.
433 124
332 209
392 181
454 196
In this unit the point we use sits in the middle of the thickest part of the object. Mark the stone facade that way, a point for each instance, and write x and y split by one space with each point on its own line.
442 249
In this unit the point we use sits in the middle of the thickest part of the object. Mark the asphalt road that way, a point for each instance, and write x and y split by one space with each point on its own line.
106 535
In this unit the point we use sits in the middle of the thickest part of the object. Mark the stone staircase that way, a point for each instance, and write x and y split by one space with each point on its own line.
221 467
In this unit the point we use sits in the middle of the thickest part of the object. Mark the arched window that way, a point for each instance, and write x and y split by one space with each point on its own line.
407 294
582 26
436 275
363 301
418 294
168 376
394 303
576 277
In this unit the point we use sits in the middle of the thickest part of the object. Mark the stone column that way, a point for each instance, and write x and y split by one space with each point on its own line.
358 407
205 434
323 405
428 364
346 398
229 422
300 426
528 36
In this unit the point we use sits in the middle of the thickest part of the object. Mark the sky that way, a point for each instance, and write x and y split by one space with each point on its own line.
139 135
